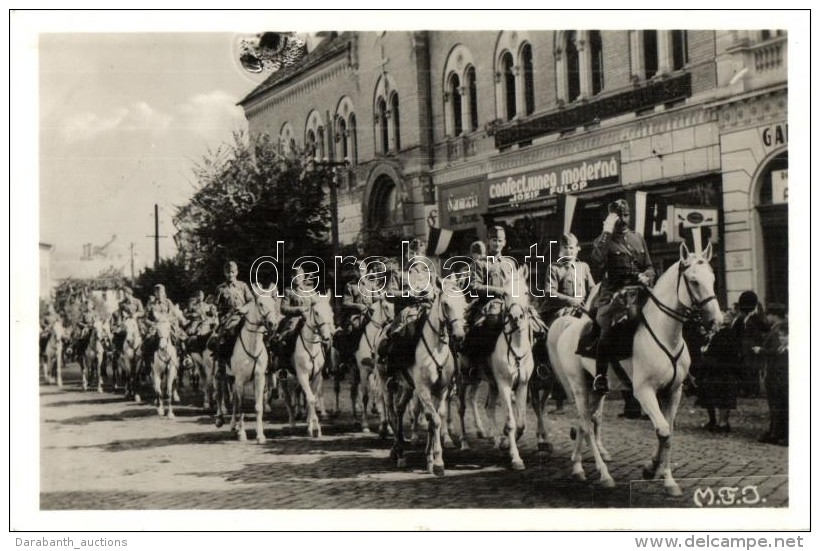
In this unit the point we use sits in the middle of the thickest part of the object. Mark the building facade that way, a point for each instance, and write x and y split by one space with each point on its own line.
538 130
46 278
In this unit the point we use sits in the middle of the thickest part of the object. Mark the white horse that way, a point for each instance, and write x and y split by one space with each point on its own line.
309 357
52 358
658 366
249 362
430 377
92 360
130 356
379 316
164 366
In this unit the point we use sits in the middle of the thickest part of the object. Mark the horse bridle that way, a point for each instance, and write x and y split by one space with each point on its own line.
690 312
515 328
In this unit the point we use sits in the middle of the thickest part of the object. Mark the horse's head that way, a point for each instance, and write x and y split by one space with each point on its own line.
320 319
699 282
132 332
381 312
163 329
516 297
453 306
262 310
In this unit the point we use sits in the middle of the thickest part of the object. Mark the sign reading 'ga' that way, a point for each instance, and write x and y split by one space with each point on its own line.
568 178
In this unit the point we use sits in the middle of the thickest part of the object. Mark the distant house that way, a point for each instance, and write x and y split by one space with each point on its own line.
46 281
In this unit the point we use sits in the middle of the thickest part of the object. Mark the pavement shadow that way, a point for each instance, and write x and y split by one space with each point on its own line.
151 443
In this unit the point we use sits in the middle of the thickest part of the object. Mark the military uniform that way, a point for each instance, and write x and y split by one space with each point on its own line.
85 323
624 257
230 297
201 314
566 279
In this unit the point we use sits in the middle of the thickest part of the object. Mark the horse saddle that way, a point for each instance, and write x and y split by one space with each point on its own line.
197 344
402 351
619 340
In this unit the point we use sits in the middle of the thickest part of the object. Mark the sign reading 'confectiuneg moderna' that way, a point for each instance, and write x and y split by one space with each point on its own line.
562 179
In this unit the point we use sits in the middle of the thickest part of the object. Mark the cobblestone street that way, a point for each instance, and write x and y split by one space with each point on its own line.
100 452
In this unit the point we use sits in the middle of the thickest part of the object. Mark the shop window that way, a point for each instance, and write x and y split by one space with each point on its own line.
394 114
472 98
773 211
596 52
508 79
529 80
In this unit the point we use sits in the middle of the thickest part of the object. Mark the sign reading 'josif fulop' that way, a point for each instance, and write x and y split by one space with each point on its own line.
568 178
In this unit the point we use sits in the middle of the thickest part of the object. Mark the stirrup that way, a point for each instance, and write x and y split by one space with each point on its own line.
600 384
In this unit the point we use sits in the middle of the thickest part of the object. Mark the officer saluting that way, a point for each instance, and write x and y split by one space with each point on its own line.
624 257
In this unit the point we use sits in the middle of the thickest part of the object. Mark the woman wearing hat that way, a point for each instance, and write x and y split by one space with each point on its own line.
750 328
623 257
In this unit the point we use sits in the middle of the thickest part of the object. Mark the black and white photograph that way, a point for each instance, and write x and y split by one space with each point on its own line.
529 272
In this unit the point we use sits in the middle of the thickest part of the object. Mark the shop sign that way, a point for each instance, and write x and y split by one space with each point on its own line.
461 205
780 187
775 135
696 217
563 179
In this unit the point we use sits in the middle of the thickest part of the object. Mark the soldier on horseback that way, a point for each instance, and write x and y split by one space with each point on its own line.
85 324
200 315
415 279
358 297
129 307
623 256
231 295
160 308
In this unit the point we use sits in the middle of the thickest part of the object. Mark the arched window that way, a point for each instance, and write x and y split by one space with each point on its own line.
650 54
342 138
529 80
470 85
508 76
384 209
310 143
680 50
573 64
384 136
320 142
353 143
596 52
455 105
394 114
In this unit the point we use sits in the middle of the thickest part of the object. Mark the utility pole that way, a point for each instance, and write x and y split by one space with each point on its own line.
132 264
156 235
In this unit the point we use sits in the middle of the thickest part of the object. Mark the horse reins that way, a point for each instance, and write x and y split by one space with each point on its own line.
508 339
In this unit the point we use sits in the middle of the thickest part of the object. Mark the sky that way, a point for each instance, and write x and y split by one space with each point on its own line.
123 119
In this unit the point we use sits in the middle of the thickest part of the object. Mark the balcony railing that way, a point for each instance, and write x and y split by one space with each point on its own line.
769 55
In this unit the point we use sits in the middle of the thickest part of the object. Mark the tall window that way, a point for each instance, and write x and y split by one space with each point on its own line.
353 144
341 129
320 142
310 144
529 80
573 66
596 52
384 137
509 84
473 98
650 53
455 98
680 50
394 113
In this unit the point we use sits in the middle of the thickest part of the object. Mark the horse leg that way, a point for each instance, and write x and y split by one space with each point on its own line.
415 410
648 400
157 378
100 367
304 383
670 409
597 426
446 410
398 430
463 391
259 390
361 380
537 401
492 398
237 410
316 386
596 409
509 426
84 372
171 376
380 401
435 461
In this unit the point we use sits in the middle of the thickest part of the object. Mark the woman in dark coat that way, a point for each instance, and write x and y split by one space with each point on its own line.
718 376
